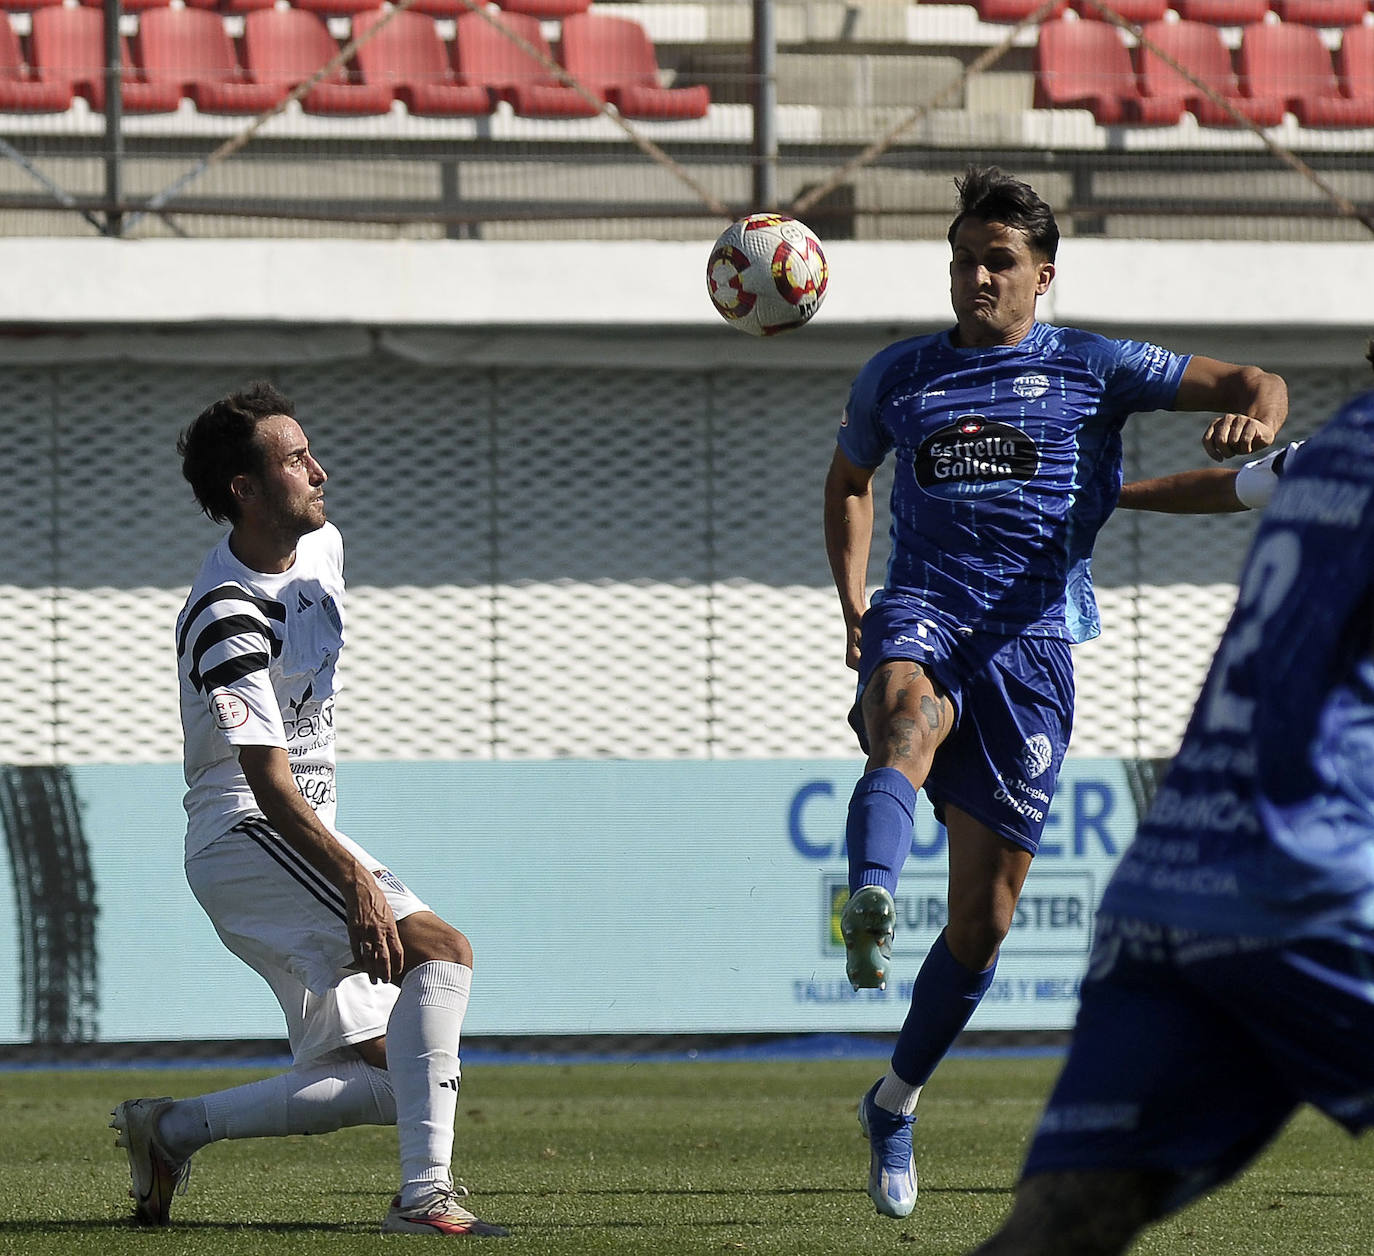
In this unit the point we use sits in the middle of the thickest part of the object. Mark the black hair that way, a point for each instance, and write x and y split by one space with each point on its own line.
991 195
220 444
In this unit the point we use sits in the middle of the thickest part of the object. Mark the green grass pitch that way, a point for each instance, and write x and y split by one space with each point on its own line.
662 1158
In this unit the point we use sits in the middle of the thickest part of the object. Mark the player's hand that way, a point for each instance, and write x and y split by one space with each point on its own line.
851 657
372 928
1231 434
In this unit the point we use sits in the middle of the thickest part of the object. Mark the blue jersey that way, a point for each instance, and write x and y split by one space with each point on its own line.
1264 825
1007 462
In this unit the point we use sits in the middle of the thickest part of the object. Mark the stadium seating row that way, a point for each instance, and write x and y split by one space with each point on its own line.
187 52
1330 13
546 9
1278 68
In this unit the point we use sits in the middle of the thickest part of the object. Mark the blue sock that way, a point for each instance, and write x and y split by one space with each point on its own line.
943 998
882 810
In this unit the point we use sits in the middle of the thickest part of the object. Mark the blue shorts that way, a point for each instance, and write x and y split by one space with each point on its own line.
1192 1050
1013 712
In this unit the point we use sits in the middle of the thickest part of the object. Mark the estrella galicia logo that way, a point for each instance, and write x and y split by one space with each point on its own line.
975 457
1036 755
332 610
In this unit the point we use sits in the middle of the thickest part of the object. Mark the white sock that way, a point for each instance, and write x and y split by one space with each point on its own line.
896 1095
422 1056
316 1099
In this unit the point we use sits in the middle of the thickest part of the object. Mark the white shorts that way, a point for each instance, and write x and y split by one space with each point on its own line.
287 922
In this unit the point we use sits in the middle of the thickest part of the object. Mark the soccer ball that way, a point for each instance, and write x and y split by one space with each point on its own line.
767 274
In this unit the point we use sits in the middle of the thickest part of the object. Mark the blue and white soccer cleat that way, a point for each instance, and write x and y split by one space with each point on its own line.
867 924
154 1175
891 1163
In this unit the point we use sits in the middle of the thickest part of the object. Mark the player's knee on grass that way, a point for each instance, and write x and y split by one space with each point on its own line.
425 937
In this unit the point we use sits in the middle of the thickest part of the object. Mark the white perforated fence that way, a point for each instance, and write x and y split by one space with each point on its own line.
544 561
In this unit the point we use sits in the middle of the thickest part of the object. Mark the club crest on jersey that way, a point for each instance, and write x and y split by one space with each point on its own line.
1031 386
229 709
1036 755
975 457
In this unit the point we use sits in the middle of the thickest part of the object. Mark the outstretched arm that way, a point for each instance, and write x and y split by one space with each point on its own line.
1206 491
1253 405
848 538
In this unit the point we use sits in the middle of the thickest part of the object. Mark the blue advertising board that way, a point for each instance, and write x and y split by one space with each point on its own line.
601 897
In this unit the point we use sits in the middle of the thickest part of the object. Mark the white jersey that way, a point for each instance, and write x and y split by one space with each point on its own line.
256 657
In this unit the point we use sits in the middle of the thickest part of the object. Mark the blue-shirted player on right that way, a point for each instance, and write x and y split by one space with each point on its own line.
1232 975
1005 434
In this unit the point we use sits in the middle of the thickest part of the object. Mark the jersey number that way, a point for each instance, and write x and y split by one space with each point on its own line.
1268 576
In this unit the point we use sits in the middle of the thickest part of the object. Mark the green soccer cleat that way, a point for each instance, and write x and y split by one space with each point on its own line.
867 924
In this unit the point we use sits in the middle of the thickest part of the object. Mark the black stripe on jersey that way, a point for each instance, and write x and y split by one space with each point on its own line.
218 630
230 670
228 593
275 846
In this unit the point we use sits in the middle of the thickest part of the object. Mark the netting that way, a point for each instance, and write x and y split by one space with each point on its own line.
1249 119
544 562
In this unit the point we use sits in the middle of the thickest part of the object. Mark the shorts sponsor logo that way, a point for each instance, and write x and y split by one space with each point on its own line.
1036 755
1031 386
229 709
974 457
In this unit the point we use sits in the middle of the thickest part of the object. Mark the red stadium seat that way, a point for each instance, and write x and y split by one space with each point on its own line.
1293 63
285 47
335 8
1084 65
19 91
69 47
26 6
484 57
1132 10
408 56
1222 12
1322 12
1015 10
1198 48
190 48
1355 62
137 6
549 10
614 57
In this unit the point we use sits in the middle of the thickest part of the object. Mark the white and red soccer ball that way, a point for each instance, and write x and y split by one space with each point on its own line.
767 274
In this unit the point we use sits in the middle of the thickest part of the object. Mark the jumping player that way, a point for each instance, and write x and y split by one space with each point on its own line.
1232 973
373 985
1006 439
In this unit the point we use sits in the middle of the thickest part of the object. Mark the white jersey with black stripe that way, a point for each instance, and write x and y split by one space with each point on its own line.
257 658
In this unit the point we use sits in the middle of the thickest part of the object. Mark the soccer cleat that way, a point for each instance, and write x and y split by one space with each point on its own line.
866 924
437 1216
155 1175
891 1163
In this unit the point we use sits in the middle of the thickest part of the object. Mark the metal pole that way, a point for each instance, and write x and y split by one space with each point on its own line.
114 121
765 152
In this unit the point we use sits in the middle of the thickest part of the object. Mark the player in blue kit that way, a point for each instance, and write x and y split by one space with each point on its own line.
1005 434
1232 974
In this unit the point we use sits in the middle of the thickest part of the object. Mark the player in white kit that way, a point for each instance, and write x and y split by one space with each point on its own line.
373 985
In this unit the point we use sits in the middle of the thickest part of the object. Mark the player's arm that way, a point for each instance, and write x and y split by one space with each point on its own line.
371 927
848 539
1252 404
1206 491
1211 490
